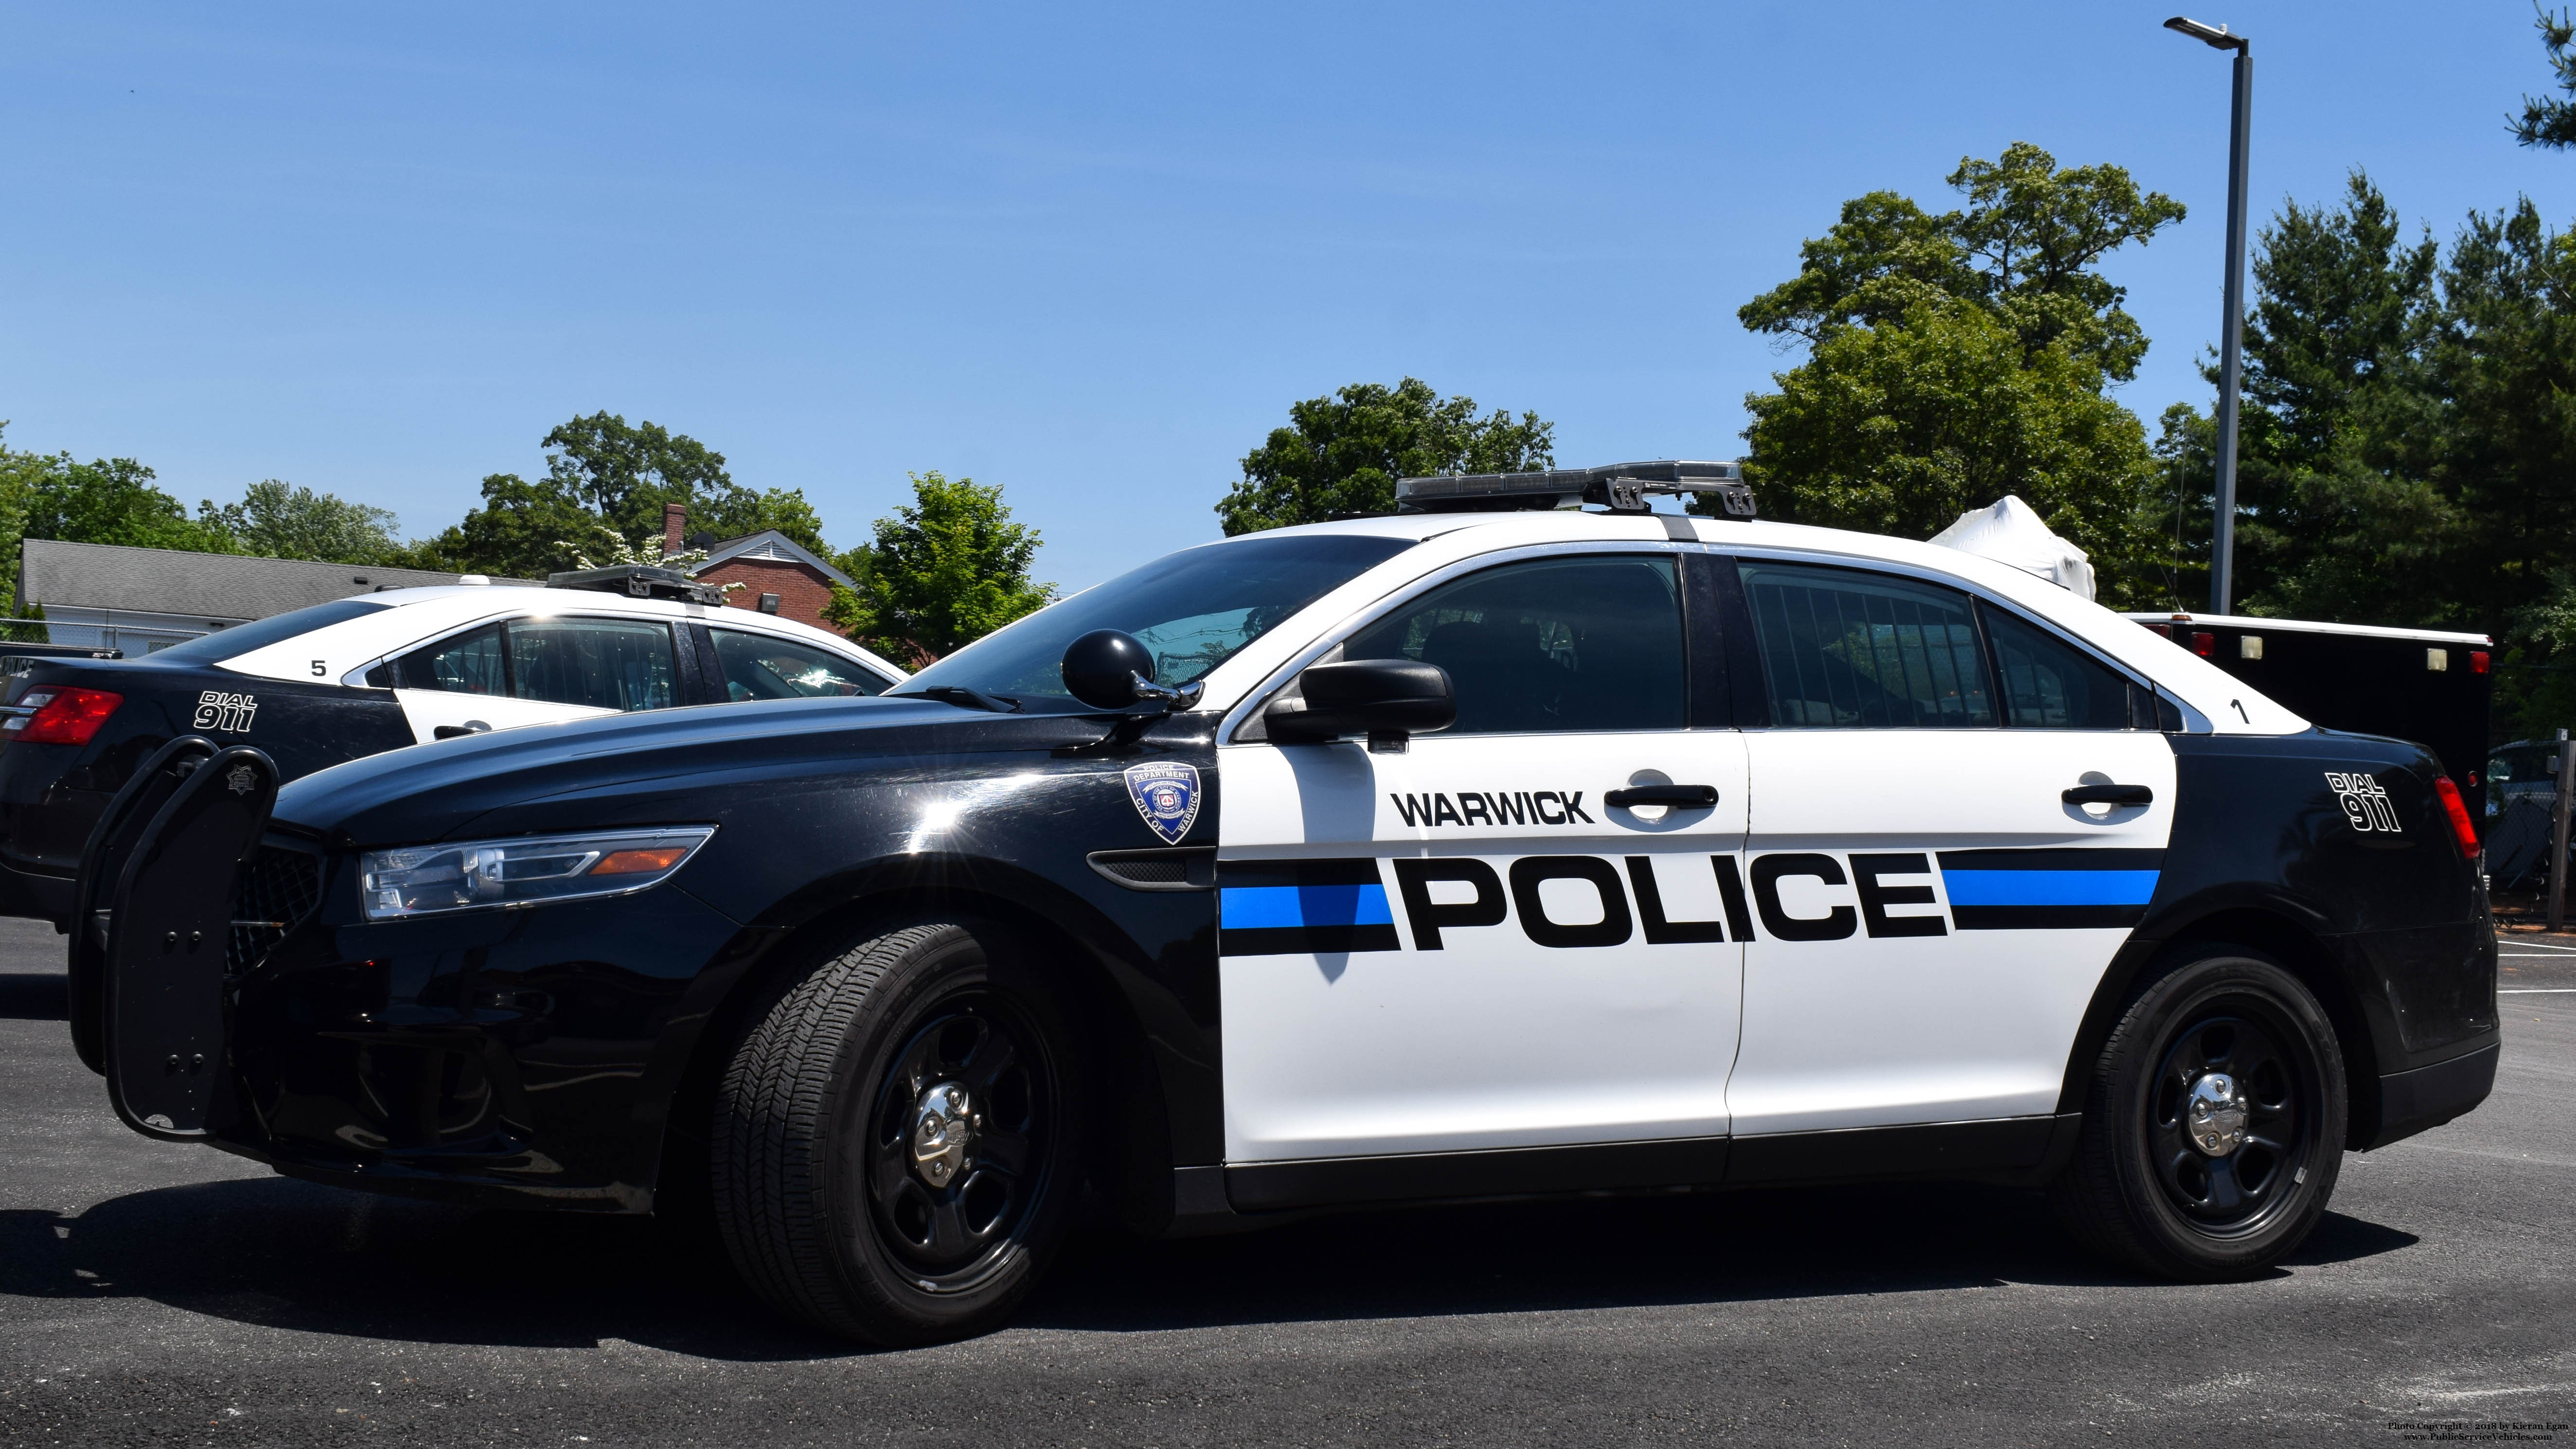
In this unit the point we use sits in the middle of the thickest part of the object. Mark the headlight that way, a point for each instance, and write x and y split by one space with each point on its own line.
429 879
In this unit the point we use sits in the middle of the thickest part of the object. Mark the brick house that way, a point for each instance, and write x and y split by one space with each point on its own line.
778 575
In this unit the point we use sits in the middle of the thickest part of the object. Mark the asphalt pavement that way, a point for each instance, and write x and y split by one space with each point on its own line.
163 1294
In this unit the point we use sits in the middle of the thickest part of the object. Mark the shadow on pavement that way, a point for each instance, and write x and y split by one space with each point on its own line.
299 1256
35 998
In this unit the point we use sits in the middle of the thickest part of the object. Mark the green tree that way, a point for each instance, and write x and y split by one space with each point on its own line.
18 474
1899 428
1955 358
113 500
2550 121
2025 247
279 520
523 530
2175 569
2338 514
784 509
1339 456
626 473
946 571
602 495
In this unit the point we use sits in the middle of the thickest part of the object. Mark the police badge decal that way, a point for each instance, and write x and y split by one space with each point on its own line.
1167 796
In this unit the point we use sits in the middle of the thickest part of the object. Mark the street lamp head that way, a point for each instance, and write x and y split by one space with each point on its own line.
2215 36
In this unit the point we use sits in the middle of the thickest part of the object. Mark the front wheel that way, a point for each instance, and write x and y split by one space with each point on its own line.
894 1137
2213 1124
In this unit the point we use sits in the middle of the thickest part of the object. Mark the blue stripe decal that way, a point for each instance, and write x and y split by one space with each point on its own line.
2049 887
1255 908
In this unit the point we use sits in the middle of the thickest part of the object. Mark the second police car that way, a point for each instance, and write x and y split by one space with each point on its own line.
1497 847
357 676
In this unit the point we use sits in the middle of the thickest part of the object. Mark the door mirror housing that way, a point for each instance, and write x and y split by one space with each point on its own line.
1109 669
1102 667
1389 700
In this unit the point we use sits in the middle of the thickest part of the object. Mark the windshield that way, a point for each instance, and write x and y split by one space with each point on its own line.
241 639
2523 764
1193 609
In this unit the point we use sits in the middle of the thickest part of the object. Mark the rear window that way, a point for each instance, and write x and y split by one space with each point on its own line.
241 639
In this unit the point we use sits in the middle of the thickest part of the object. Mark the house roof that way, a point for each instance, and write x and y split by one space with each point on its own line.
216 585
769 543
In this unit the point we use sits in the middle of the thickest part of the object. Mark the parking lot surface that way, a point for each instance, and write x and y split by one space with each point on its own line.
162 1294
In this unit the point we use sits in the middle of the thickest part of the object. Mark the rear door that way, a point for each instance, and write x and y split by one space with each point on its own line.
1465 945
517 672
1932 915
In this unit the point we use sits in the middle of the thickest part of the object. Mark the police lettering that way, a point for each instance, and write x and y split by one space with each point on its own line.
1523 807
1878 882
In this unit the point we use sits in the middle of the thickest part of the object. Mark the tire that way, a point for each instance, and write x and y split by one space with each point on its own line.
2140 1190
837 1202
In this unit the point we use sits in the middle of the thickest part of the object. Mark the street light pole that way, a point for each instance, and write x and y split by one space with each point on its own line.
2231 347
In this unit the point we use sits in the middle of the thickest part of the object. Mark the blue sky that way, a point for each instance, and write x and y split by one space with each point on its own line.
1090 254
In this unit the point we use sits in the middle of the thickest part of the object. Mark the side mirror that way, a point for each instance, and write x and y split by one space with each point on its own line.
1389 700
1112 670
1101 668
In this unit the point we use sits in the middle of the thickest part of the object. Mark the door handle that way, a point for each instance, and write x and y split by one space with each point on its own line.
2110 795
1680 797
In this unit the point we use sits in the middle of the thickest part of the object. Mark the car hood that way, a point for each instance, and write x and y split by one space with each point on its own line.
429 792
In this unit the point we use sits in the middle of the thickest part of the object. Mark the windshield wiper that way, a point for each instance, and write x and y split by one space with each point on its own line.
964 698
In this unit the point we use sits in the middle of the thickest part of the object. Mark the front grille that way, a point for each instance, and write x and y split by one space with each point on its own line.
278 890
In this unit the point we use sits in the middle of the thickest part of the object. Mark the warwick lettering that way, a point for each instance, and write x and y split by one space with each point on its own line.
1524 807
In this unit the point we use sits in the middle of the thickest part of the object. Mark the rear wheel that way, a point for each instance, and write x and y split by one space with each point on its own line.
893 1139
2213 1125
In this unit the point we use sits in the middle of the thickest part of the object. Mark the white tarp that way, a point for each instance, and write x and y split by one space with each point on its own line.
2010 532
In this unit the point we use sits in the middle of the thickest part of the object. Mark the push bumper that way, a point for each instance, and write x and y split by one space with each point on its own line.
156 896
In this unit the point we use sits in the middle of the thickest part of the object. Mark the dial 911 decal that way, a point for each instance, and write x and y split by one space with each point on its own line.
2364 801
219 712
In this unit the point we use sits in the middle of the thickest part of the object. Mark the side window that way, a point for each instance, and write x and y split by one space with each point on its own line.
1842 648
762 666
602 663
2050 684
1585 643
467 663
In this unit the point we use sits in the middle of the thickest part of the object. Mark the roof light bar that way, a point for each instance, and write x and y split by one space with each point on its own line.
642 581
1619 487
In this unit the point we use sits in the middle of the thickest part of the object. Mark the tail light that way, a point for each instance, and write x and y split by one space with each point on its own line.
2477 661
2204 644
2459 813
64 715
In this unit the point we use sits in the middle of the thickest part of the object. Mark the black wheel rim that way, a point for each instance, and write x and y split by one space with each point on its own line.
2246 1189
952 1236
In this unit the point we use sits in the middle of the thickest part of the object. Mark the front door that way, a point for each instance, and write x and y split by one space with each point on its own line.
1466 945
1932 914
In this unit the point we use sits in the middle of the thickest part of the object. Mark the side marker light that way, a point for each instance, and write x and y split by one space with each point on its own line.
633 862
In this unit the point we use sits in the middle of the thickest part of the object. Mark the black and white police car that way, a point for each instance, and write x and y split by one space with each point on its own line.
374 672
1491 848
